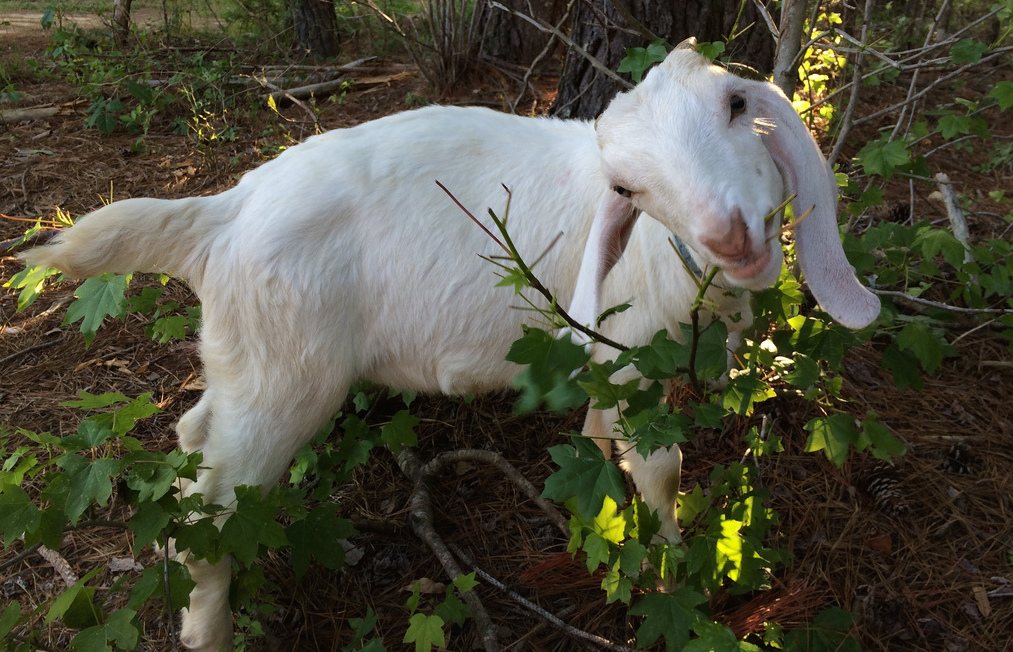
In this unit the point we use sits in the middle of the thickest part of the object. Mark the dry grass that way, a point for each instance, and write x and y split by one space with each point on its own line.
916 580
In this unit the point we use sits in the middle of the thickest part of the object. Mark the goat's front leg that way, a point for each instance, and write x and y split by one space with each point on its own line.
657 477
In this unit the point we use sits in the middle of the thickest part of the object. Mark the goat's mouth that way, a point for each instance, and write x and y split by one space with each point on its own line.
744 269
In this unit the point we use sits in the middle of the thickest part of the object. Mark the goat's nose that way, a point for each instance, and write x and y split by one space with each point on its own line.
734 243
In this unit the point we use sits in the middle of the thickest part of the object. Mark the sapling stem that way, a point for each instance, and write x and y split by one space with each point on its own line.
507 244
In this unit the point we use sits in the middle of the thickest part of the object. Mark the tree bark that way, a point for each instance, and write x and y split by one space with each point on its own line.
600 28
316 27
514 40
121 21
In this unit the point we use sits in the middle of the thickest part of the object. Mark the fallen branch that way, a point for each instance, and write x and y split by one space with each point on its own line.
945 306
421 514
330 87
542 613
444 460
958 223
18 115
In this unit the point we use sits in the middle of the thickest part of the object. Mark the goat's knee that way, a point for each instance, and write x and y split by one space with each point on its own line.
657 478
207 623
193 427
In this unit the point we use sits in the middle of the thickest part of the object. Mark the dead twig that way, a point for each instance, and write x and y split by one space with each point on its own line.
442 461
542 613
421 511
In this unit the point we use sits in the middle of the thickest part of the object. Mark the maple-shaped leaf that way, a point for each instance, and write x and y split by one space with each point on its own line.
89 482
833 435
584 473
400 432
883 156
671 615
97 298
18 514
317 535
252 525
425 632
617 587
715 637
1003 94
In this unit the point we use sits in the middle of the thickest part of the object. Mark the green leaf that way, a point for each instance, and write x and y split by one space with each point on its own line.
692 503
1003 94
903 367
933 241
882 157
829 632
833 435
715 637
918 338
452 610
638 60
75 606
168 328
252 525
104 122
967 50
804 373
877 437
631 557
90 482
617 587
118 628
151 585
147 522
951 125
547 379
465 582
317 535
671 615
30 281
425 631
585 473
605 393
400 432
97 298
18 514
9 618
711 50
90 434
96 401
709 415
743 392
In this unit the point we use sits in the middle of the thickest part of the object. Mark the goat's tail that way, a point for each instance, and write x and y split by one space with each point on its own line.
136 235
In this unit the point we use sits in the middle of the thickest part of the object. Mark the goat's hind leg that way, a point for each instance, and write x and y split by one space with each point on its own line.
251 437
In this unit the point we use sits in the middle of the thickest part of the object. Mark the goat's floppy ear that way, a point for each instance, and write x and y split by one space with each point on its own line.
817 240
610 231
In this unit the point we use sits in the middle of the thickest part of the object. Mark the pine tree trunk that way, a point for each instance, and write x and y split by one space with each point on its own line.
600 29
316 27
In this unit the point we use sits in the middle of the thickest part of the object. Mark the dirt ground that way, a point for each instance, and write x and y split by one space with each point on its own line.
919 571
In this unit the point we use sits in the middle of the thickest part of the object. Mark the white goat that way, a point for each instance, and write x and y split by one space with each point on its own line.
342 260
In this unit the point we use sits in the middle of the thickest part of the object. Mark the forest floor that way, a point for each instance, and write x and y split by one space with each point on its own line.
918 581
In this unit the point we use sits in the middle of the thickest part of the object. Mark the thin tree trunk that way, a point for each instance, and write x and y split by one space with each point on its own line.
121 21
793 15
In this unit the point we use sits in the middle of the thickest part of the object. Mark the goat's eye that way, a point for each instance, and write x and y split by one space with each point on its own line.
625 192
738 105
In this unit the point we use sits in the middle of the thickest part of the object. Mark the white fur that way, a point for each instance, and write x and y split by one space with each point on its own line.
342 260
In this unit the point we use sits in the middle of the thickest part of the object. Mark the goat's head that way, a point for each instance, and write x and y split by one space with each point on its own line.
711 155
